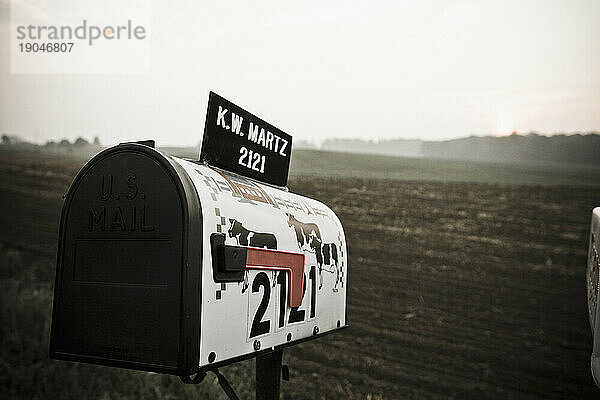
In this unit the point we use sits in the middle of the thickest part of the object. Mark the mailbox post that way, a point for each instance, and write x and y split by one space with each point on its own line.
181 267
268 375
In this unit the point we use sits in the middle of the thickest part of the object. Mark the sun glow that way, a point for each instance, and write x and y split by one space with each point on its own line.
505 125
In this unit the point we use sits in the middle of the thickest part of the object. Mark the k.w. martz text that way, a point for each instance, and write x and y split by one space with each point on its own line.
256 134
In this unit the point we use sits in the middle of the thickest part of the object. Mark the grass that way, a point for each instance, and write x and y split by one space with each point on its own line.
346 165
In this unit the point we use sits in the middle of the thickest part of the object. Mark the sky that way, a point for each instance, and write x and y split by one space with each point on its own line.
430 70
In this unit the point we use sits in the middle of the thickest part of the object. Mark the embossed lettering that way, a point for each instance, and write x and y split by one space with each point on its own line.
134 219
131 185
146 227
117 220
106 188
97 219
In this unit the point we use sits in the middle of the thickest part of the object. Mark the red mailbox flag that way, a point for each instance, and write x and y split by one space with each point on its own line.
283 261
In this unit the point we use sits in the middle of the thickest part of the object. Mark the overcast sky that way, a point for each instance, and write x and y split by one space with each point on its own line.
320 69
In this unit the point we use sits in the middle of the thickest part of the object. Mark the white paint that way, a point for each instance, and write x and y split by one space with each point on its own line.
221 117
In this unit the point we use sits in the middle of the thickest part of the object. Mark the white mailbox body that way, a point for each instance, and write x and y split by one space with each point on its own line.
241 208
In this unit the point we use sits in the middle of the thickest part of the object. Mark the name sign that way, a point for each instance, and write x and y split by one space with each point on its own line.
240 142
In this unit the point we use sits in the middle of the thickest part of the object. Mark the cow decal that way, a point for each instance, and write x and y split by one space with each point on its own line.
327 259
308 236
304 232
246 237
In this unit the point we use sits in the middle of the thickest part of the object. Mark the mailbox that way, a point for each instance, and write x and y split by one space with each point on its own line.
177 267
593 267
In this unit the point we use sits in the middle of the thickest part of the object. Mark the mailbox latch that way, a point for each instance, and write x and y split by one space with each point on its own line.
229 262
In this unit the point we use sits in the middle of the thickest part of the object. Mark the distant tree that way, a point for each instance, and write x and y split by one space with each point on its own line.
81 142
96 141
64 143
8 139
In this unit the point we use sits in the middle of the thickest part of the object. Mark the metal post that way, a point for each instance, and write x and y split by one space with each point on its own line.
268 374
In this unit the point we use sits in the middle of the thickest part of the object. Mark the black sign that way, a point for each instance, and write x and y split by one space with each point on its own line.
240 142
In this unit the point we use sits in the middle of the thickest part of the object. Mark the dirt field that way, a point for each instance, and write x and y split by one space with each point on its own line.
456 290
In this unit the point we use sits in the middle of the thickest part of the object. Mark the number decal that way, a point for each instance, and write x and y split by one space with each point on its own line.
244 153
250 153
261 327
251 160
295 314
256 161
313 291
281 280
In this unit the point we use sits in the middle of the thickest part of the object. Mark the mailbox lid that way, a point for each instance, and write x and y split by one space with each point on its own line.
236 315
127 283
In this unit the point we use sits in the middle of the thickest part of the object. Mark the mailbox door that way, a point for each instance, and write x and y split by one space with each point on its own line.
127 284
